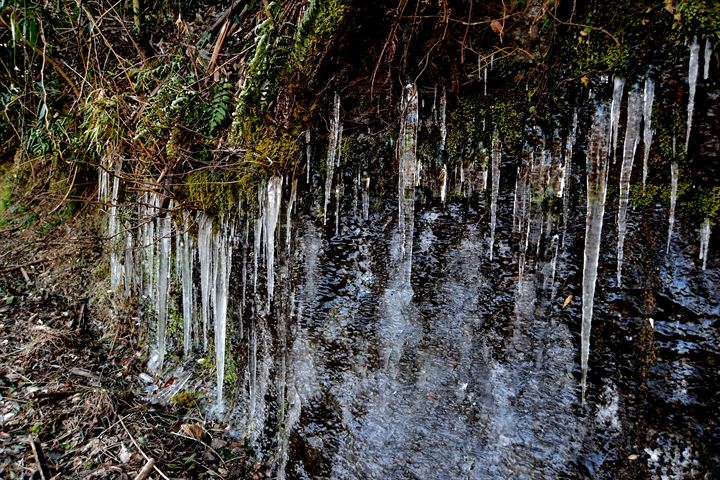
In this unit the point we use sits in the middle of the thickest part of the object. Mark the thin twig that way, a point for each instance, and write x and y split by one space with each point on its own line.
132 439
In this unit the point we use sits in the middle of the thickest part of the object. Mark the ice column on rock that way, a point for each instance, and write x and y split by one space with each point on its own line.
707 56
597 174
704 242
113 230
692 86
333 156
407 146
308 152
222 247
366 197
162 289
185 255
648 99
567 174
632 137
618 88
290 208
205 257
272 212
496 156
673 201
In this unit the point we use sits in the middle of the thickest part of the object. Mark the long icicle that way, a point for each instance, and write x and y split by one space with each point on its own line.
692 86
597 173
632 137
648 99
673 202
496 156
332 154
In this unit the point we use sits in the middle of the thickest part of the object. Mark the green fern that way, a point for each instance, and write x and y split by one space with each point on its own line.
220 105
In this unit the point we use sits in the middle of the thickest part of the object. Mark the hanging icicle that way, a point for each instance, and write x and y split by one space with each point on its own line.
274 200
692 87
648 99
597 174
333 157
704 242
673 202
632 138
618 88
496 156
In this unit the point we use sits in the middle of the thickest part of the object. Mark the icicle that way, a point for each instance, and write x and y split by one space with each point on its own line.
484 83
130 275
290 207
407 146
649 97
549 280
567 175
161 299
274 199
205 257
356 193
114 228
332 155
692 86
492 61
222 243
443 120
597 173
366 198
632 136
308 153
673 202
147 243
186 253
443 183
495 156
618 87
337 209
707 56
704 242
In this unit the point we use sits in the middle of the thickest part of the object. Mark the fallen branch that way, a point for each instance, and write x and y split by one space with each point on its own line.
146 470
40 460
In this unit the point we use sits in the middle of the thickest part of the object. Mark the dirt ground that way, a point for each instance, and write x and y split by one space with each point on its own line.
71 401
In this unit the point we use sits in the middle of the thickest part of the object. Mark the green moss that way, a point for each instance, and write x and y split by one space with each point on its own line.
186 399
212 191
702 17
707 204
508 119
641 197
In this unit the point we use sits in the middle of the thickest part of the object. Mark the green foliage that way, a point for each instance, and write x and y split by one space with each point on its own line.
220 104
211 190
707 204
508 119
318 25
187 399
643 196
702 17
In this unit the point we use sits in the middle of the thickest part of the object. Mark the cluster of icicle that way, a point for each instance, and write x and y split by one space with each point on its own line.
543 173
693 71
148 257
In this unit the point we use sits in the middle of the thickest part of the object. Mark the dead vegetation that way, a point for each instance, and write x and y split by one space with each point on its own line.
70 403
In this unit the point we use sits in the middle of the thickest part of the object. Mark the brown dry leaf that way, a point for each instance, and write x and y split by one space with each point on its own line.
567 301
585 81
497 27
193 430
